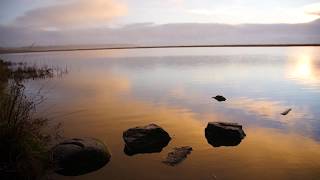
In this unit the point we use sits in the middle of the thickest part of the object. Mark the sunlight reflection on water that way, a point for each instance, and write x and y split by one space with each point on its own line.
306 70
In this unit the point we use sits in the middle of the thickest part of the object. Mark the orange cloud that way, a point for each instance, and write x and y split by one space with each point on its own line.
76 13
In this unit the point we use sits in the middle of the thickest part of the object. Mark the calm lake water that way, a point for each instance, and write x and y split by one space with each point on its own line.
107 92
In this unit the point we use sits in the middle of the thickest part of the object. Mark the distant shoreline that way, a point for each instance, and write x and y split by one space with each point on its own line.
30 50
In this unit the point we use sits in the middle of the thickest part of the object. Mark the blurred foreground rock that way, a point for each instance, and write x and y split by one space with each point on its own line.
77 156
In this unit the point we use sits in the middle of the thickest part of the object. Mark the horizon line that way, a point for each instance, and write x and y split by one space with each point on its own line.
30 50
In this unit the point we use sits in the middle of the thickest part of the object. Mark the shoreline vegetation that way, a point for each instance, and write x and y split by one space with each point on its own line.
29 144
24 137
34 49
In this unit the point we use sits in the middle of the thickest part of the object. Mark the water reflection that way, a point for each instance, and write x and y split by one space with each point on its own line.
130 152
155 149
305 69
269 109
117 92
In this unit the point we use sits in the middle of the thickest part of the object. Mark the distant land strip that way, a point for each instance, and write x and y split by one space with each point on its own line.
48 49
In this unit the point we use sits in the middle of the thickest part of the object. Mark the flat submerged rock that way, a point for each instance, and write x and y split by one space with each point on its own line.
177 155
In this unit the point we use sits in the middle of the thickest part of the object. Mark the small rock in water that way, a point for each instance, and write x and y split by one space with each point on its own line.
224 134
219 98
145 139
286 112
177 155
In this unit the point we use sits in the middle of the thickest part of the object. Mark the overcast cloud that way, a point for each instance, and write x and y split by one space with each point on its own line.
146 22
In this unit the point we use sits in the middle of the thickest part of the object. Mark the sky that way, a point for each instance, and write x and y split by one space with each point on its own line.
58 14
78 15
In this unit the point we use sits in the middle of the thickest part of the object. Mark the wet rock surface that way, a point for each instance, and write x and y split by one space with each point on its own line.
219 98
79 156
145 139
224 134
177 155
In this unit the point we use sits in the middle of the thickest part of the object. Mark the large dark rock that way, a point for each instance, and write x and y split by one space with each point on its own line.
146 139
224 134
177 155
76 156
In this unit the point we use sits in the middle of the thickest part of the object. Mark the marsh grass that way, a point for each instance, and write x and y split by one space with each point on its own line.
24 137
21 71
4 74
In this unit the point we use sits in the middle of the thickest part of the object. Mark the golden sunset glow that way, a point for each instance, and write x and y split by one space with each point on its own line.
304 69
